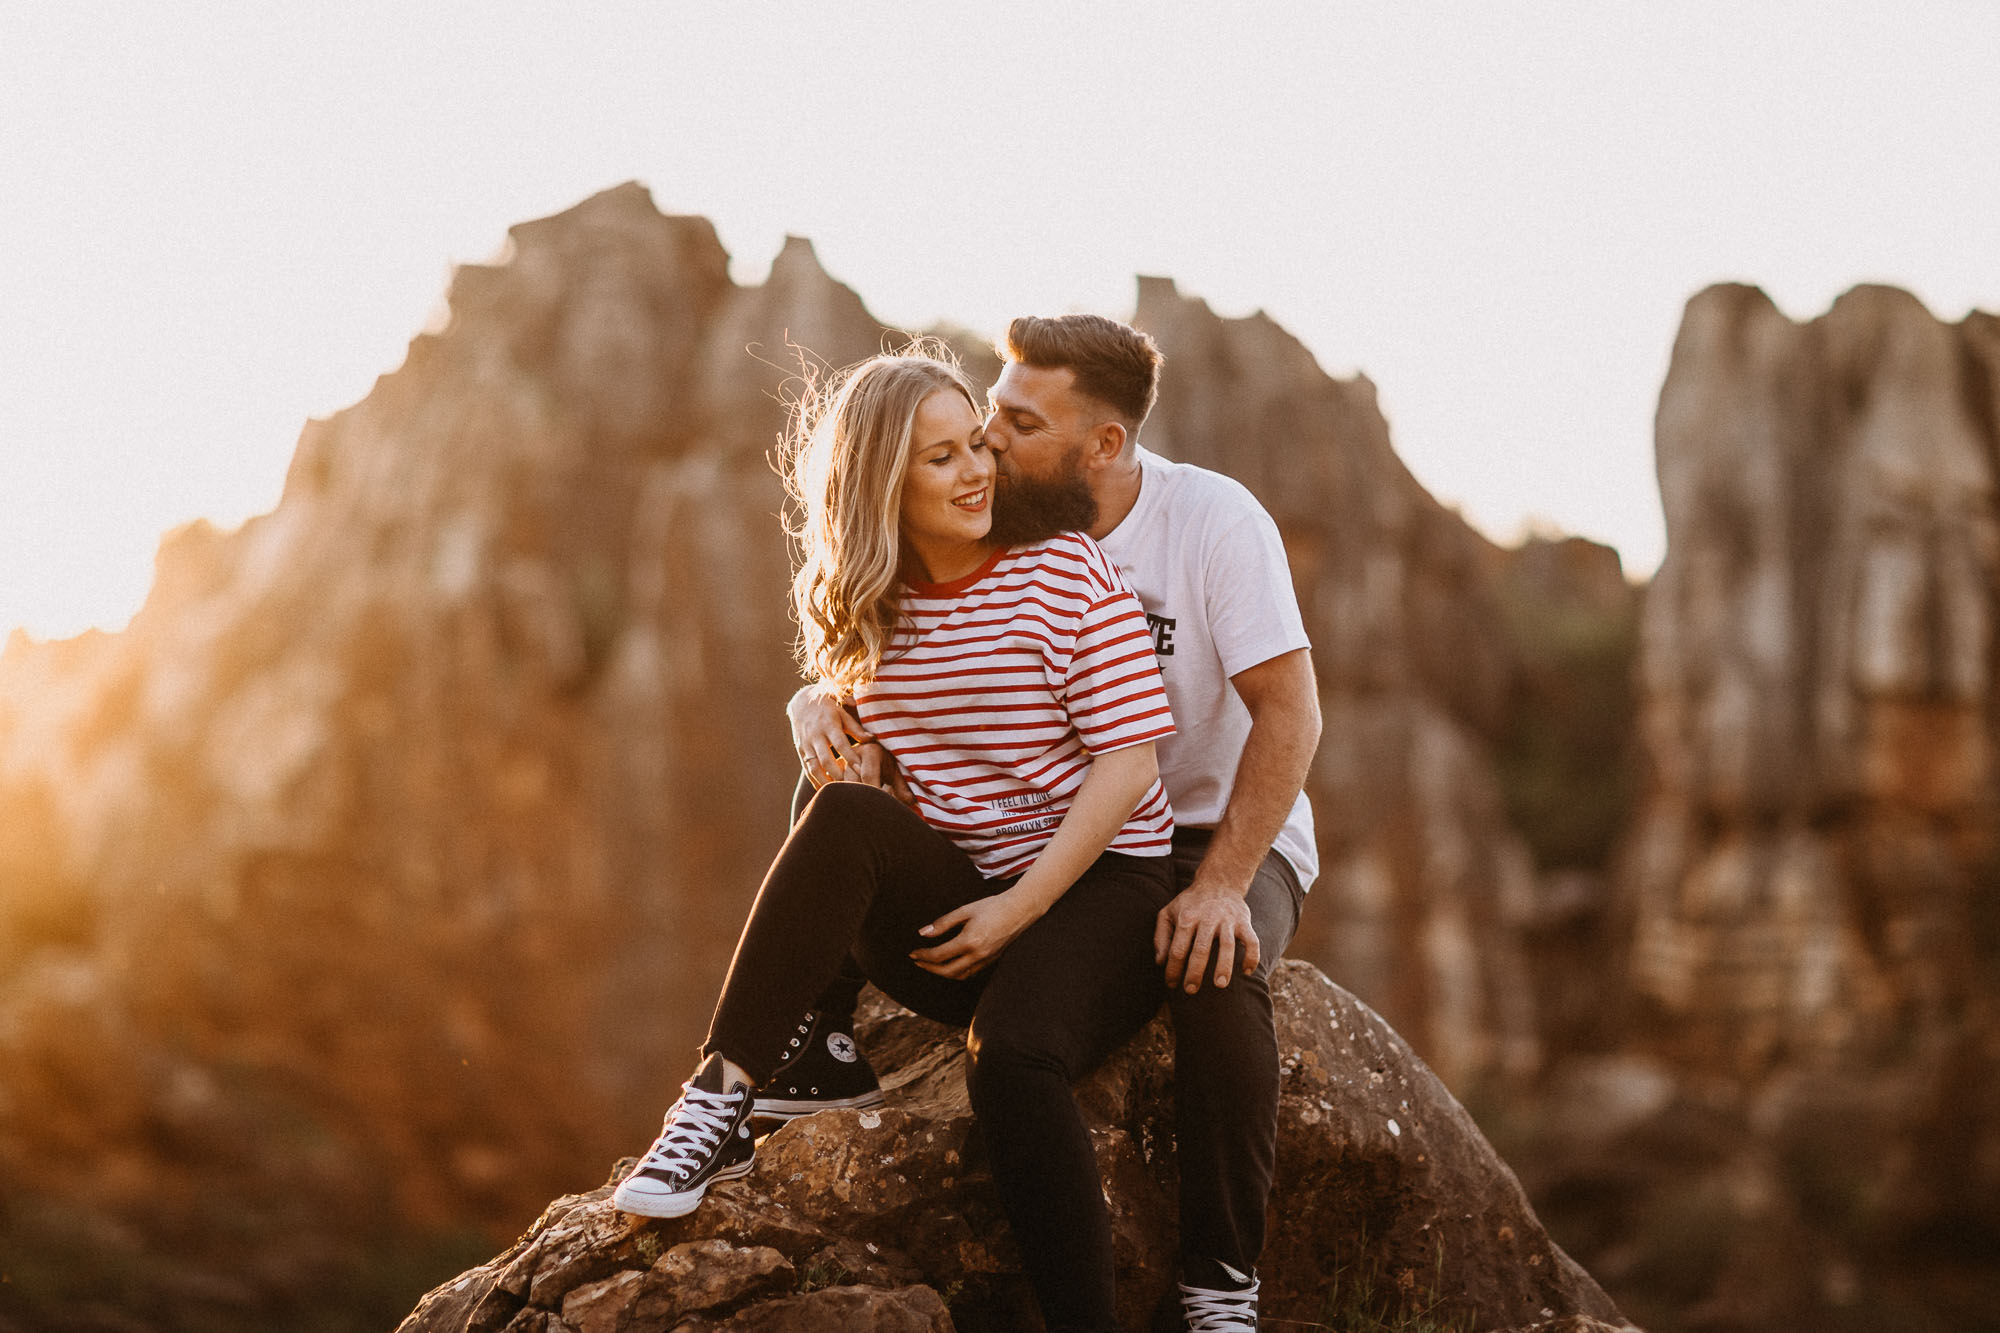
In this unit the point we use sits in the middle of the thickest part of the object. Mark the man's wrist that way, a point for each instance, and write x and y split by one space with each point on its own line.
1207 883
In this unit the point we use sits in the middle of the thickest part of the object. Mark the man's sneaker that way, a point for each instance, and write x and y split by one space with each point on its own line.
1215 1311
822 1069
706 1138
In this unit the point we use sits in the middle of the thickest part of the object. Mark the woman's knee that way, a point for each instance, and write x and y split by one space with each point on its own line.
848 802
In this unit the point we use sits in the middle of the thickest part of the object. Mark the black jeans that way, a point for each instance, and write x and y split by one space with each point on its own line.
1226 1081
861 871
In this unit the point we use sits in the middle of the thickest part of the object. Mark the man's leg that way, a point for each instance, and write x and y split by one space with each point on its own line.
1068 992
1226 1086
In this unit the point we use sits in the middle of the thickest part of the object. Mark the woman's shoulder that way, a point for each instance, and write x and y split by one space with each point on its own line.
1073 556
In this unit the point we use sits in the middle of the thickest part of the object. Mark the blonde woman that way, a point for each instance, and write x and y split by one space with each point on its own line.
1016 689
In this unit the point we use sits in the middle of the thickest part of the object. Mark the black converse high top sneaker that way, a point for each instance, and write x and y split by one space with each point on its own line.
706 1138
822 1069
1212 1310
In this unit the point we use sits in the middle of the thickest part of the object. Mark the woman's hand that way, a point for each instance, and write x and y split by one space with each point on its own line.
986 927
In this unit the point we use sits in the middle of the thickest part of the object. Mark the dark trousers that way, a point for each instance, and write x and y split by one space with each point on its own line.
861 872
1226 1081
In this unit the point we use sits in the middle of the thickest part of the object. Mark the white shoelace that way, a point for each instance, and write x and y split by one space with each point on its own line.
693 1130
1219 1311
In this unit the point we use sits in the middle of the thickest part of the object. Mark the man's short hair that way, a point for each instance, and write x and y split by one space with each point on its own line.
1113 363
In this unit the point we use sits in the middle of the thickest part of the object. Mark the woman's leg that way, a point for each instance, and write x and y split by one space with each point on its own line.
1076 985
858 861
859 870
838 998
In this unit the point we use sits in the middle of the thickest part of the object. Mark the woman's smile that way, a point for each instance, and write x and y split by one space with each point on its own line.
947 503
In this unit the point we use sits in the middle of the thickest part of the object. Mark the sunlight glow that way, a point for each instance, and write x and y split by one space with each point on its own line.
238 215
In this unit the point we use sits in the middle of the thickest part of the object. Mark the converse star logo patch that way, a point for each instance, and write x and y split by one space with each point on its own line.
841 1047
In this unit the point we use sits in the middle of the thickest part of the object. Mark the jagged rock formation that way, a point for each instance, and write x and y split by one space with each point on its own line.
1821 705
416 816
1391 1207
1802 1130
378 878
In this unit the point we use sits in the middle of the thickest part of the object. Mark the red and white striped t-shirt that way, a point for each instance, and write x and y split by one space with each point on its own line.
998 687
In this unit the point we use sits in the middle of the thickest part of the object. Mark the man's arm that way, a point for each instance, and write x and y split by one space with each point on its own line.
1210 915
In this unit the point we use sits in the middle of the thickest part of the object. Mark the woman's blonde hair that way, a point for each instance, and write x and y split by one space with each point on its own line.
844 462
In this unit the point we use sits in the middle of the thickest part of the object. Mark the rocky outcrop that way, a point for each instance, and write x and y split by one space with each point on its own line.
1390 1206
411 822
374 883
1812 871
1802 1128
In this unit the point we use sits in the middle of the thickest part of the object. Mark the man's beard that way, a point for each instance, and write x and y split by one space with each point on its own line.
1033 509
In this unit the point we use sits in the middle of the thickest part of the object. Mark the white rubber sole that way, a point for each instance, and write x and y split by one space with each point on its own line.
644 1199
781 1108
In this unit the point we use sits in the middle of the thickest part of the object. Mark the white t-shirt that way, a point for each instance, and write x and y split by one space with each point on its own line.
1210 569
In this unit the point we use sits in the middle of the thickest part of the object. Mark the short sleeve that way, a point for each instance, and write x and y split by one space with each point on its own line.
1253 614
1113 689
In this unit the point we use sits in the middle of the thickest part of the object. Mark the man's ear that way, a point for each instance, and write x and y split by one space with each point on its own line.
1106 444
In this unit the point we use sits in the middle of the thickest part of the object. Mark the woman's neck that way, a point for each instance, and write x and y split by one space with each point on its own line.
943 562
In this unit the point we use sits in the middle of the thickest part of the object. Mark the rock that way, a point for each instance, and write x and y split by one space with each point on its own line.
369 836
1389 1204
1818 687
1793 1118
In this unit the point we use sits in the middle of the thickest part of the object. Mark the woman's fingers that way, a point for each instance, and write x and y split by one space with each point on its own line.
951 920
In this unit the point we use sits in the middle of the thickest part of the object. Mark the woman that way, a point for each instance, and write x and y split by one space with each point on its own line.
1017 691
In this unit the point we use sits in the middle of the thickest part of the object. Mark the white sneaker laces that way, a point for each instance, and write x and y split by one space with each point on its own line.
1211 1311
692 1131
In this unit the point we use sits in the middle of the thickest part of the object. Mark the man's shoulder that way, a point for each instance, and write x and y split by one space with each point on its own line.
1192 489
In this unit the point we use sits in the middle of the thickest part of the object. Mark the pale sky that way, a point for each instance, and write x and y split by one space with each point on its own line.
218 220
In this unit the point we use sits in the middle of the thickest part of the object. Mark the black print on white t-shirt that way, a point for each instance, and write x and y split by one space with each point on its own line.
1163 634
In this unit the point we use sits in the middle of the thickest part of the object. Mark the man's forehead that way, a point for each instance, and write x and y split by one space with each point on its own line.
1038 388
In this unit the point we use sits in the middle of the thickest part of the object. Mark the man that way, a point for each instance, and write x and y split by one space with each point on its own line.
1210 570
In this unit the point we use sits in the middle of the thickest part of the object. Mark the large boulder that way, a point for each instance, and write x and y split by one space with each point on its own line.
1389 1205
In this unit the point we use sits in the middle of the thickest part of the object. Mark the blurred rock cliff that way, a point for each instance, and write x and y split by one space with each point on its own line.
371 889
377 879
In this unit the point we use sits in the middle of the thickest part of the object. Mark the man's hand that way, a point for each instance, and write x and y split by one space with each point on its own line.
827 737
871 764
988 925
1201 921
